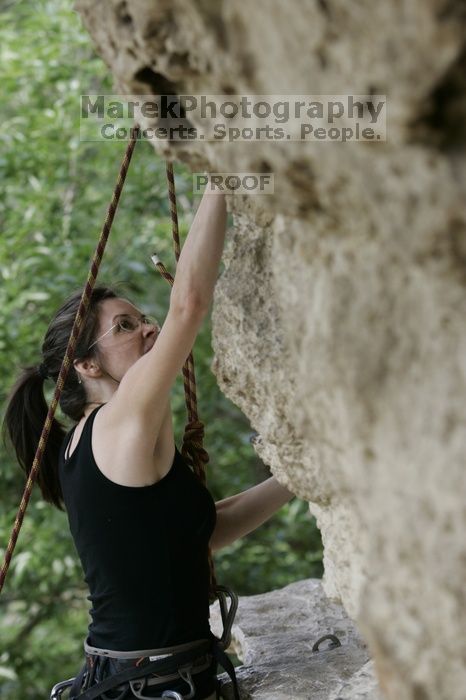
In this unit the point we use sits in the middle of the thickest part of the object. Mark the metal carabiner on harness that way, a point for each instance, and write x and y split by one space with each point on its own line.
228 614
58 688
185 674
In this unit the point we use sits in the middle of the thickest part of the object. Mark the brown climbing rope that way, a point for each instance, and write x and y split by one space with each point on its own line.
192 448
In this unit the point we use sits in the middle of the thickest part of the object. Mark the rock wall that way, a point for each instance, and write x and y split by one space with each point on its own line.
339 320
275 636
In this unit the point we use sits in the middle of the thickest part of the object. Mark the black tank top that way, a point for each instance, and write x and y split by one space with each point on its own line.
143 551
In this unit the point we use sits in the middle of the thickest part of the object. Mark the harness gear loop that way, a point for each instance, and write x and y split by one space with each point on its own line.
137 687
185 674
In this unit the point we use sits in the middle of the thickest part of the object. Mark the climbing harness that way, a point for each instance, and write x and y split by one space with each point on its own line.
139 670
173 663
192 451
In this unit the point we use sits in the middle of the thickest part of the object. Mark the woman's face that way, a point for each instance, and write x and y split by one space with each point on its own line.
122 337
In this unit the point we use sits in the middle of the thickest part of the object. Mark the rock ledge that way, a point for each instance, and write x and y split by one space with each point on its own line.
274 634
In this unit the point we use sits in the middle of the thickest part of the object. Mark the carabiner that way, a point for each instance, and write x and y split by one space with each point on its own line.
137 686
185 674
58 688
228 614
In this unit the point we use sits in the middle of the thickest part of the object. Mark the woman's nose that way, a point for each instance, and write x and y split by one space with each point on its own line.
149 329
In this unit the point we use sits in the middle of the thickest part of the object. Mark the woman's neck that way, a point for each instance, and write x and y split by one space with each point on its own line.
91 404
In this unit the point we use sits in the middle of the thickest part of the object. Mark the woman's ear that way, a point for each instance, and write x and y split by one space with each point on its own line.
87 368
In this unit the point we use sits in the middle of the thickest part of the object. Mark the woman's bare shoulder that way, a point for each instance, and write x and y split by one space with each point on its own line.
126 455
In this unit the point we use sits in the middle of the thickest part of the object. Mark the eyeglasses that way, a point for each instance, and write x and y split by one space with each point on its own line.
127 323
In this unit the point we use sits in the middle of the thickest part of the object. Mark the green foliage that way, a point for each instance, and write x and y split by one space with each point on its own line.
53 198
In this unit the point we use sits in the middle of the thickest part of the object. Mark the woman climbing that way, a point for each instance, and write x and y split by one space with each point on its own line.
141 522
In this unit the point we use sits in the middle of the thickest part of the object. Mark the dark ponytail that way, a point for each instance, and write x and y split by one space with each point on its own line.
26 406
24 420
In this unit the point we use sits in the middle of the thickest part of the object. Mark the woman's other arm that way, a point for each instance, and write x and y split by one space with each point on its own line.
244 512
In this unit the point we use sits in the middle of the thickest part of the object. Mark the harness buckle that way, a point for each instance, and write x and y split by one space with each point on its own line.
172 694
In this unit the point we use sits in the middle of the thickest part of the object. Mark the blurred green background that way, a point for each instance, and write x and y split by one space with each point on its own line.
54 192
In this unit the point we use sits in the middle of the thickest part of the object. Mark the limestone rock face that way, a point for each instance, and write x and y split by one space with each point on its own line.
339 322
274 634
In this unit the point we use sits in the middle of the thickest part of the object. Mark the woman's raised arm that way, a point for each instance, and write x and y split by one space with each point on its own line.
197 268
143 390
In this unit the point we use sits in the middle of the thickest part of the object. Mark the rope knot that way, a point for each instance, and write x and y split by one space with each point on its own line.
192 450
